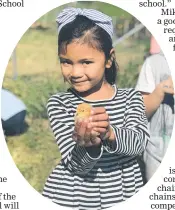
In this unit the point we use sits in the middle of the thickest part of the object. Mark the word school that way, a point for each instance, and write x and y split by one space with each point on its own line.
8 3
152 3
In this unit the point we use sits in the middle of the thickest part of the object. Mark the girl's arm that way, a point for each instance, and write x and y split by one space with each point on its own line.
131 138
75 157
153 100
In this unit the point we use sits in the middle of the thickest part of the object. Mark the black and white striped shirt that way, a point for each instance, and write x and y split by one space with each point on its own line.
82 182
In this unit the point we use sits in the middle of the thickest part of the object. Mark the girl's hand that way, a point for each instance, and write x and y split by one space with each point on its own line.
100 122
84 135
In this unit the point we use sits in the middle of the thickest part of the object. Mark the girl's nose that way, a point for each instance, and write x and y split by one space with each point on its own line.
77 71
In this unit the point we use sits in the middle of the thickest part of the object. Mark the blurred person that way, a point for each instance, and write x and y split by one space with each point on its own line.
13 112
156 85
99 166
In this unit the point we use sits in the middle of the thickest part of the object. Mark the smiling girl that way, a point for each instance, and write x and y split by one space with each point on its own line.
98 166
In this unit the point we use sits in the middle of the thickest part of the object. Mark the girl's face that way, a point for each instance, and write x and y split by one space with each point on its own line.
83 67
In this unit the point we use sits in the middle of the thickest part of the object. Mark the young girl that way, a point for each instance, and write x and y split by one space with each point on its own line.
99 165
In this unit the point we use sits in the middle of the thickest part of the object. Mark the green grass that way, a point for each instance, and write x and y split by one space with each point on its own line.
35 152
36 52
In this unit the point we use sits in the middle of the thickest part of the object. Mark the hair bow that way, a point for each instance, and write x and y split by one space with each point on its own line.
69 14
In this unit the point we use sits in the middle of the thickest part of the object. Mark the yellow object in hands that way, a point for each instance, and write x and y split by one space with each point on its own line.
83 111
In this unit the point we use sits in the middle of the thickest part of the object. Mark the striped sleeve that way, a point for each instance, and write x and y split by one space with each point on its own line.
74 157
131 138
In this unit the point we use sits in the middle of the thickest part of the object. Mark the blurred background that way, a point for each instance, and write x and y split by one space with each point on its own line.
33 74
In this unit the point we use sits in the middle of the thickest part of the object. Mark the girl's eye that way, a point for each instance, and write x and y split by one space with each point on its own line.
87 62
65 62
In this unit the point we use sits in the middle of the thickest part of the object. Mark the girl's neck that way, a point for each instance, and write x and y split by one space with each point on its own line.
102 91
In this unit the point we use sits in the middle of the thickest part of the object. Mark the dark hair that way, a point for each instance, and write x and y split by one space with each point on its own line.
88 32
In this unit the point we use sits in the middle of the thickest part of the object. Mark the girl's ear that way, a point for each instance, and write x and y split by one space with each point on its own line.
110 59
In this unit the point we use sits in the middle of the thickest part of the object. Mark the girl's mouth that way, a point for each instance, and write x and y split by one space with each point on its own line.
77 81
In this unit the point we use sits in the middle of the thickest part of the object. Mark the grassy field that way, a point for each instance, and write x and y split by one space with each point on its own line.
35 152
